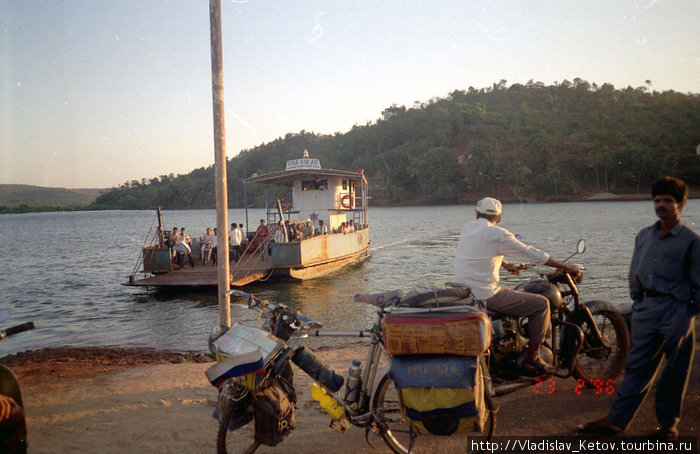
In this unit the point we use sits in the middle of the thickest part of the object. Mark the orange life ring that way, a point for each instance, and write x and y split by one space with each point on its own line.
346 201
284 203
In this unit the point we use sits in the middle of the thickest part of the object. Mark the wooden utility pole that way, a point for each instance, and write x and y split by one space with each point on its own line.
217 86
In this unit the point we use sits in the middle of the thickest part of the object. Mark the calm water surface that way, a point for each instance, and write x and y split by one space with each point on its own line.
65 270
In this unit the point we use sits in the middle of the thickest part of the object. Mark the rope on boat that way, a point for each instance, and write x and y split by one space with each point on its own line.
139 260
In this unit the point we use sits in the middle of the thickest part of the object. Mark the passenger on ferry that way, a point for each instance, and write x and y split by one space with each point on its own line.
207 244
261 238
351 226
244 232
322 228
185 237
170 242
235 239
181 249
187 241
214 247
343 228
308 229
279 232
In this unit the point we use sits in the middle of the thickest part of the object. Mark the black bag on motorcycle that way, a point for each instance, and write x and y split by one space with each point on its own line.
440 394
275 412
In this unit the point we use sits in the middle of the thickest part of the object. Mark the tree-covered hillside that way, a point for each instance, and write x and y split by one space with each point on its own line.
22 198
531 141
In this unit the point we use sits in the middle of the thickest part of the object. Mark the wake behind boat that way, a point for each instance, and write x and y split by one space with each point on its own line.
320 227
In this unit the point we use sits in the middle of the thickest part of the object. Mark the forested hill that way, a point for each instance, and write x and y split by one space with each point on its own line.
22 198
517 142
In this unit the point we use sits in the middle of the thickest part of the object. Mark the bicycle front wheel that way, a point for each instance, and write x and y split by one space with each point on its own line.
397 433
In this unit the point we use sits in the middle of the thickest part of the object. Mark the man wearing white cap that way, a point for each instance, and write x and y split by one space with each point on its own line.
480 252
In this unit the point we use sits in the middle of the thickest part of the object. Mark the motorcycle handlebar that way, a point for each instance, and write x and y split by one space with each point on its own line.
17 329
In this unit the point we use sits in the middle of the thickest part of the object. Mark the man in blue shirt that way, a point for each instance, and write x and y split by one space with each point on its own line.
664 277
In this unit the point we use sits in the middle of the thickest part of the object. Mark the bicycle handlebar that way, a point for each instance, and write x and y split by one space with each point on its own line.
264 304
17 329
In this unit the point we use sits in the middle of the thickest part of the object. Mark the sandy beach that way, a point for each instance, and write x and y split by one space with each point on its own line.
142 400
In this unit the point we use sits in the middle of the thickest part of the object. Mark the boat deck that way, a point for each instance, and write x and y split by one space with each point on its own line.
250 268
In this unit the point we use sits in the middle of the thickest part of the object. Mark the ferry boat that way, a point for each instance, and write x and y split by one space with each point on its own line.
315 197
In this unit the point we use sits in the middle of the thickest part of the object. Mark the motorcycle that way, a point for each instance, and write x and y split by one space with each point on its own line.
587 340
13 430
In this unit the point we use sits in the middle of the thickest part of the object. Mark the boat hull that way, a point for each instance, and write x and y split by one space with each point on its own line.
320 255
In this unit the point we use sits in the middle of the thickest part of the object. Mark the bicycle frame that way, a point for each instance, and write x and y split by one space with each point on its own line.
359 413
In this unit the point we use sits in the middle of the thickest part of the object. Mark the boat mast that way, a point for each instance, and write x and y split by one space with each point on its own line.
161 236
217 85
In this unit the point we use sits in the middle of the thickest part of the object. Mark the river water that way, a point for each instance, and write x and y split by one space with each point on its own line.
65 270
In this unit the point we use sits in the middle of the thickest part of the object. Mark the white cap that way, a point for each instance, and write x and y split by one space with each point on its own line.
489 205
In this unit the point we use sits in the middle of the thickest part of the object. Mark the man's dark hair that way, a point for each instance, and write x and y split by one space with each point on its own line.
670 186
489 217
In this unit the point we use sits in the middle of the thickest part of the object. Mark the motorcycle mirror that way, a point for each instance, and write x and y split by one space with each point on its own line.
581 246
580 249
4 315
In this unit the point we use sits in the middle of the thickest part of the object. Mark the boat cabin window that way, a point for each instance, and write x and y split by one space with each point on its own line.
317 185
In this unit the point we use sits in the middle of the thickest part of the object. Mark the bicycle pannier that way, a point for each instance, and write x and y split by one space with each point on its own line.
274 412
440 394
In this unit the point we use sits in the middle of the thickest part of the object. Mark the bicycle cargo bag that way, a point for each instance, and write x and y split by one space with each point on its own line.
235 403
274 412
440 394
407 332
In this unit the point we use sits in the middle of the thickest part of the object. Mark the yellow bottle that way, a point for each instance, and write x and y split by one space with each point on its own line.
327 402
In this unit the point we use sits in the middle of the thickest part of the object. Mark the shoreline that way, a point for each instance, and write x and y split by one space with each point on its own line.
111 400
588 197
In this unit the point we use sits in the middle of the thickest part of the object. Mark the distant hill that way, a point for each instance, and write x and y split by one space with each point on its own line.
13 196
532 142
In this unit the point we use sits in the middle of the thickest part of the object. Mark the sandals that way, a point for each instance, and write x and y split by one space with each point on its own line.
667 434
600 427
538 368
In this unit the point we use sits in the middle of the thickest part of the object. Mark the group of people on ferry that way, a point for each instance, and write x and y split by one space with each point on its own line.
181 242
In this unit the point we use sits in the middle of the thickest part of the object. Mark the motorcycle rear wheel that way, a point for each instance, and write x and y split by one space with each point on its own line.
598 365
398 433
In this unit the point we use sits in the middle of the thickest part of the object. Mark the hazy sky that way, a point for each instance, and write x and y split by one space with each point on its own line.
94 93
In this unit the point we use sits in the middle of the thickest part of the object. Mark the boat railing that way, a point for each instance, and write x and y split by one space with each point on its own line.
157 238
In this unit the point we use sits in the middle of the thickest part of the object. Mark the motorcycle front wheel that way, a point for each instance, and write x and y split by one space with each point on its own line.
598 364
397 433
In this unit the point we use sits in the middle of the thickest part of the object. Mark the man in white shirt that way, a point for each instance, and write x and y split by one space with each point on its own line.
323 228
235 237
207 242
186 242
479 256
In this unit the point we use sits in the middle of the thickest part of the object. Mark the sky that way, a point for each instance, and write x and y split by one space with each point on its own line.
95 93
